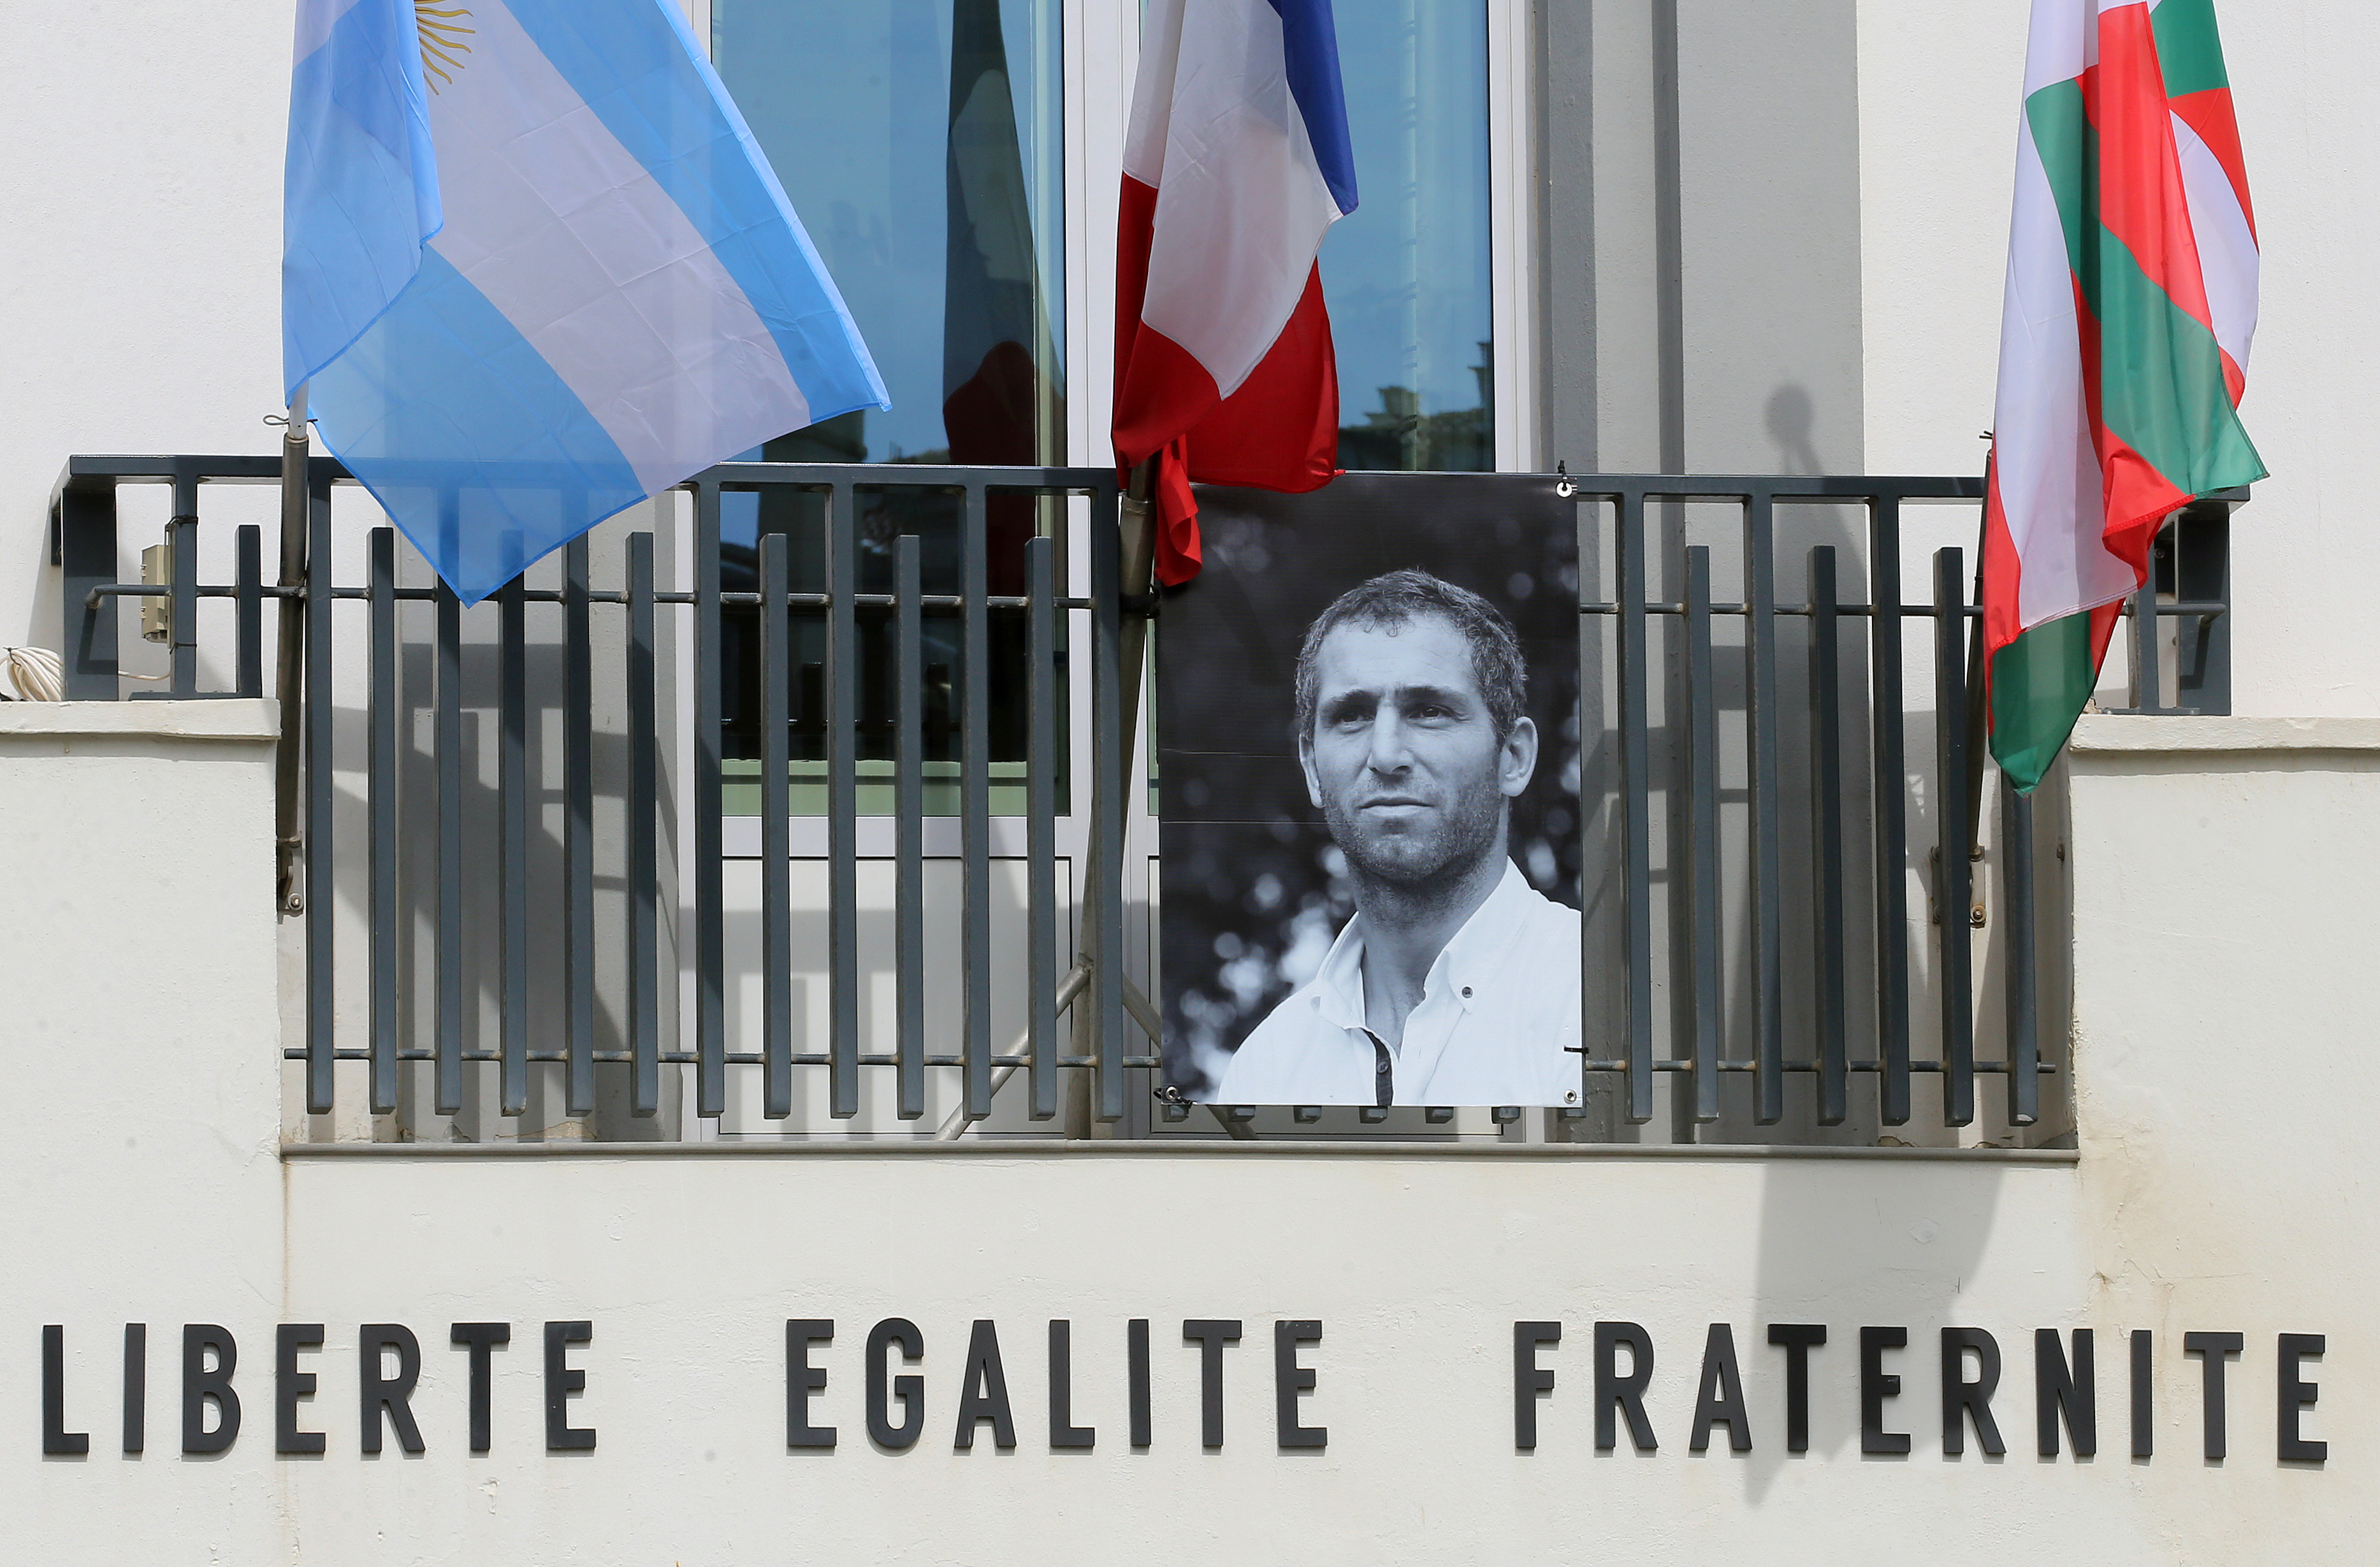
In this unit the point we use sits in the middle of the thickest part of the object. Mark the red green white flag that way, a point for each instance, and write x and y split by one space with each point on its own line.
2131 299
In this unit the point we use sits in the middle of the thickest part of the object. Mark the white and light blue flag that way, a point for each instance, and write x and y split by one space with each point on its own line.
536 270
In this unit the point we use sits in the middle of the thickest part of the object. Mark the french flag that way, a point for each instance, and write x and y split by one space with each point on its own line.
1236 164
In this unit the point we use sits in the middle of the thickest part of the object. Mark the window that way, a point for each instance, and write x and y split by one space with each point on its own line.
921 141
1407 274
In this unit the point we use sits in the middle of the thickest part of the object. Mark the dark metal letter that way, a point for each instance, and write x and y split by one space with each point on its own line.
2143 1396
1876 1384
136 1386
1719 1400
481 1338
2297 1395
983 1391
57 1440
1529 1379
1137 1374
2214 1347
1064 1435
200 1385
1797 1339
1613 1390
1211 1334
1289 1380
290 1385
1963 1401
561 1381
2058 1390
393 1394
802 1380
910 1390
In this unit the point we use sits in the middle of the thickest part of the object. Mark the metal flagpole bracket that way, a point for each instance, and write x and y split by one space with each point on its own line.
295 449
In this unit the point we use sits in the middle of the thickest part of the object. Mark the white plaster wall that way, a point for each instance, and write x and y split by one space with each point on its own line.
141 280
2224 875
1939 86
138 1033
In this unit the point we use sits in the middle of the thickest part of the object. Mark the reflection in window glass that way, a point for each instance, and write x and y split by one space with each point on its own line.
1407 274
921 143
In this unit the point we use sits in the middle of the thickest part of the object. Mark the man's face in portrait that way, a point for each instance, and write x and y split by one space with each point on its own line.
1403 759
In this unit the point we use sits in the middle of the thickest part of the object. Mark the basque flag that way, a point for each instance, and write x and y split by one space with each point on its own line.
1236 164
535 270
2130 304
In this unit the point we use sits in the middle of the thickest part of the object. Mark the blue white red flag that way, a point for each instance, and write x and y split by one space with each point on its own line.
1236 164
536 270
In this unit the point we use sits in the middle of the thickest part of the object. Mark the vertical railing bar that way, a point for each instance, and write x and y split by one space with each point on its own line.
1891 807
247 590
1767 886
2213 526
1954 872
512 804
2017 934
1584 542
975 801
644 843
1111 758
2149 695
579 827
909 827
383 707
1041 824
1827 796
87 540
842 801
776 831
1977 751
710 916
320 900
1702 854
183 532
447 1088
1635 802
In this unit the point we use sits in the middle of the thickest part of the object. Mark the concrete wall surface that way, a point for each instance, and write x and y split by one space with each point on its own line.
2224 875
1939 89
137 1008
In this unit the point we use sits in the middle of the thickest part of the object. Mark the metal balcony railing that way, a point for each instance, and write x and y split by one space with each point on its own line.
897 647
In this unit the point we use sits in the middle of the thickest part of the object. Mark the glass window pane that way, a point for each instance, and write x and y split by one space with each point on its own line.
921 143
1407 273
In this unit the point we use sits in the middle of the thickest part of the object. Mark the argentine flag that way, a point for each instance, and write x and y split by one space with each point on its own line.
536 270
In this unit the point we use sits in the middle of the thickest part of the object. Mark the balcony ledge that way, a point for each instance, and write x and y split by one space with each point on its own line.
2113 735
239 718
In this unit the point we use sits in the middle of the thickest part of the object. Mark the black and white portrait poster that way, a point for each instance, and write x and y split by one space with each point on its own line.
1368 752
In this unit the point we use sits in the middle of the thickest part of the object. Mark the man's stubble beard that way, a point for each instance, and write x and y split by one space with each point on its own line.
1417 871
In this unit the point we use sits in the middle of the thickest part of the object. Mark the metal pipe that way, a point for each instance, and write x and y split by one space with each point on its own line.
290 662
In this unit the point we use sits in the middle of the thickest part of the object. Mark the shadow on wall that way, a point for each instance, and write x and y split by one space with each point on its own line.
1900 1263
1789 417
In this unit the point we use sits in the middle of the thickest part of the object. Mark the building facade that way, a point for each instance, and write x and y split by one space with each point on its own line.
604 1147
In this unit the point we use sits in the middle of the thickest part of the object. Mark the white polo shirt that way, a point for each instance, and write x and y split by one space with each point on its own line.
1498 1023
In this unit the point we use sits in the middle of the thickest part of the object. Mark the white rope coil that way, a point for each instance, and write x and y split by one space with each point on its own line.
36 673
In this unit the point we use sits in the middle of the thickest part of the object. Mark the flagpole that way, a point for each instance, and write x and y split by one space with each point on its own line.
290 685
1138 561
1136 555
1979 731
